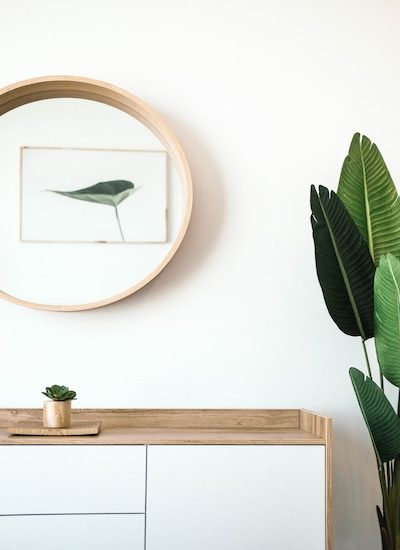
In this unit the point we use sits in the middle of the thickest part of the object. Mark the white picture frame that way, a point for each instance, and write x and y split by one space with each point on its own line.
54 206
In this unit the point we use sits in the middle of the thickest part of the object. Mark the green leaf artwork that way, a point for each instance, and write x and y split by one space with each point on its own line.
110 193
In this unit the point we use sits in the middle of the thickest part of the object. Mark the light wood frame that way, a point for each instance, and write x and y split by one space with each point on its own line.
36 89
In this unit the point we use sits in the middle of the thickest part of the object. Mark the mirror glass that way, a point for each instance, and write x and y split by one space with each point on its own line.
91 202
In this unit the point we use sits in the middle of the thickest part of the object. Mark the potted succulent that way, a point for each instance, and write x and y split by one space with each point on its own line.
57 411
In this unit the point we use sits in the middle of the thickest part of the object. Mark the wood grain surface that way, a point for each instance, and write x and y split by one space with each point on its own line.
170 418
181 427
37 429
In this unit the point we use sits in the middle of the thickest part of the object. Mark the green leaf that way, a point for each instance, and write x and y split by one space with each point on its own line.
59 393
69 395
369 194
382 422
387 317
344 266
111 193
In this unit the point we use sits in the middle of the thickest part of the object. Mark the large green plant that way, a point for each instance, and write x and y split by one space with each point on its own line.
357 251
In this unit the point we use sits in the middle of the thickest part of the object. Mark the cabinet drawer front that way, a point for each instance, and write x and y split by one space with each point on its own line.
119 532
236 497
72 479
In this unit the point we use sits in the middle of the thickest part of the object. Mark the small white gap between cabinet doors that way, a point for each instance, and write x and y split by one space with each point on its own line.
80 532
62 479
235 497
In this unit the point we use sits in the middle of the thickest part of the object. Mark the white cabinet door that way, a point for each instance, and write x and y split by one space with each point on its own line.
116 532
60 479
236 498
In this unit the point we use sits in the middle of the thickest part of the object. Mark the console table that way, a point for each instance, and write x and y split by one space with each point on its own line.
169 480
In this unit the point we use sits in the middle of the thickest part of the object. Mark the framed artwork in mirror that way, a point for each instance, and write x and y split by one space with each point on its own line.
132 183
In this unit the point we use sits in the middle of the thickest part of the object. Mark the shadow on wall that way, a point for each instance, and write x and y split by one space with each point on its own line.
206 220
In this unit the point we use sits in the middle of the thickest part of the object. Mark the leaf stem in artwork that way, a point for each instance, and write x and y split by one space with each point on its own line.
119 223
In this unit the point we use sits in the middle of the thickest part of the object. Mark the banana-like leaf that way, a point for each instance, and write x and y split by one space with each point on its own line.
382 422
111 193
387 317
369 194
344 265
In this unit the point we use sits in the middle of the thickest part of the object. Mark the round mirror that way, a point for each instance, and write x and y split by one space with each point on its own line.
96 194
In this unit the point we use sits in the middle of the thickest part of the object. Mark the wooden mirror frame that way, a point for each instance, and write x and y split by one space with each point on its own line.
28 91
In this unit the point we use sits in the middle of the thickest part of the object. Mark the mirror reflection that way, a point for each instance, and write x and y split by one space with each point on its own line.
92 202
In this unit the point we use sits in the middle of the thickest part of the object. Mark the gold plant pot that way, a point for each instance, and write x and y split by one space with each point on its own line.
57 414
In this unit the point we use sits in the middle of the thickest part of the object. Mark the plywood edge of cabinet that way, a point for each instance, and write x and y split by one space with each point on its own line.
321 426
329 485
316 424
165 437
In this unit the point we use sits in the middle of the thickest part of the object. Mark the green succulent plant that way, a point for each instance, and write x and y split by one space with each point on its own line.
59 393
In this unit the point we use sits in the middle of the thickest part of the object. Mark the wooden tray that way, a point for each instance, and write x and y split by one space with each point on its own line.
36 428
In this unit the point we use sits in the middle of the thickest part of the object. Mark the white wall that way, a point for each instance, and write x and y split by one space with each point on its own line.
264 96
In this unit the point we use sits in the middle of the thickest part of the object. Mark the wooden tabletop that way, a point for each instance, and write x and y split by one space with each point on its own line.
181 427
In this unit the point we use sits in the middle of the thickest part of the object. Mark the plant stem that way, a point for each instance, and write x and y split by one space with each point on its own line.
395 500
119 223
385 500
367 359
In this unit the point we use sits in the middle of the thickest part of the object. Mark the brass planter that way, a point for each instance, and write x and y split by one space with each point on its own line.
57 414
